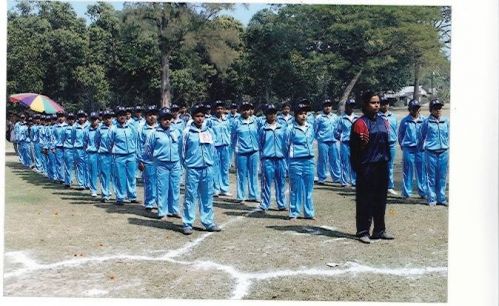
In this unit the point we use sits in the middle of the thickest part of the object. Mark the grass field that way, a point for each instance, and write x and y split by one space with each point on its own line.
63 243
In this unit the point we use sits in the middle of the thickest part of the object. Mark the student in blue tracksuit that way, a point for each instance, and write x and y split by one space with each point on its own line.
272 142
163 149
49 148
123 145
370 152
392 139
245 139
58 133
409 138
301 164
177 122
36 131
80 154
147 165
24 140
137 120
220 125
233 115
343 134
91 148
105 158
435 139
183 114
44 124
197 157
325 126
67 143
285 118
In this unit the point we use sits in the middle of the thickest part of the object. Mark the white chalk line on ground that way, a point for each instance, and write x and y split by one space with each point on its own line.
243 280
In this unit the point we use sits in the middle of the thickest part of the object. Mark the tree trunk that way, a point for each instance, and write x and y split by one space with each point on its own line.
165 80
416 93
348 90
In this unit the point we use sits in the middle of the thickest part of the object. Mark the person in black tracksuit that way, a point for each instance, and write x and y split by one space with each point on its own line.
370 152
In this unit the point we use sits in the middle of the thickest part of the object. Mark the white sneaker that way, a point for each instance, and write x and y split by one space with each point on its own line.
391 191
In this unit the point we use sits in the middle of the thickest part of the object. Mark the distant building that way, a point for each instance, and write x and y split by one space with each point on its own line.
404 95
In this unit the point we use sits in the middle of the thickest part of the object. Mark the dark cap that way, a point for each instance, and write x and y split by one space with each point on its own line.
269 109
165 112
81 113
299 107
94 115
138 108
435 103
174 107
350 102
198 108
233 105
151 109
384 100
219 103
414 104
284 104
246 105
70 116
120 110
107 113
327 102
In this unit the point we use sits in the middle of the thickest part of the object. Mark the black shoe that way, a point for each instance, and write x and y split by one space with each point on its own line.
103 200
214 228
178 216
148 209
282 209
134 201
67 186
383 235
80 188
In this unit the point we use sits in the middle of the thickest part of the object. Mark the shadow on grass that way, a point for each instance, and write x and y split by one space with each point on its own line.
232 206
135 209
313 230
261 215
168 225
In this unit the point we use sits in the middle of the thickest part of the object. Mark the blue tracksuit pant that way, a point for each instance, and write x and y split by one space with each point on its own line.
106 169
25 150
68 165
413 159
301 183
436 167
80 157
198 187
45 161
222 164
125 165
247 175
150 185
347 173
273 172
328 156
393 150
51 165
60 165
37 148
93 170
168 187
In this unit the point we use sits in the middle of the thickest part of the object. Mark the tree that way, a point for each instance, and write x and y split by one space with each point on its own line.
173 24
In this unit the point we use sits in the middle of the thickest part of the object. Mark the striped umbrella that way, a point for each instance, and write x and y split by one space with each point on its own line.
36 102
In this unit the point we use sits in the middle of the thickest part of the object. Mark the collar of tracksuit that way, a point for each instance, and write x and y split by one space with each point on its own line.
267 126
435 119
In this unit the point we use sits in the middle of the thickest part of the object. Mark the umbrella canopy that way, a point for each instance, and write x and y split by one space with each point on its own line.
36 102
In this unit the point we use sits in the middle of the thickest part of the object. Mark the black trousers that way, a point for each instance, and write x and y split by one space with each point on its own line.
370 197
